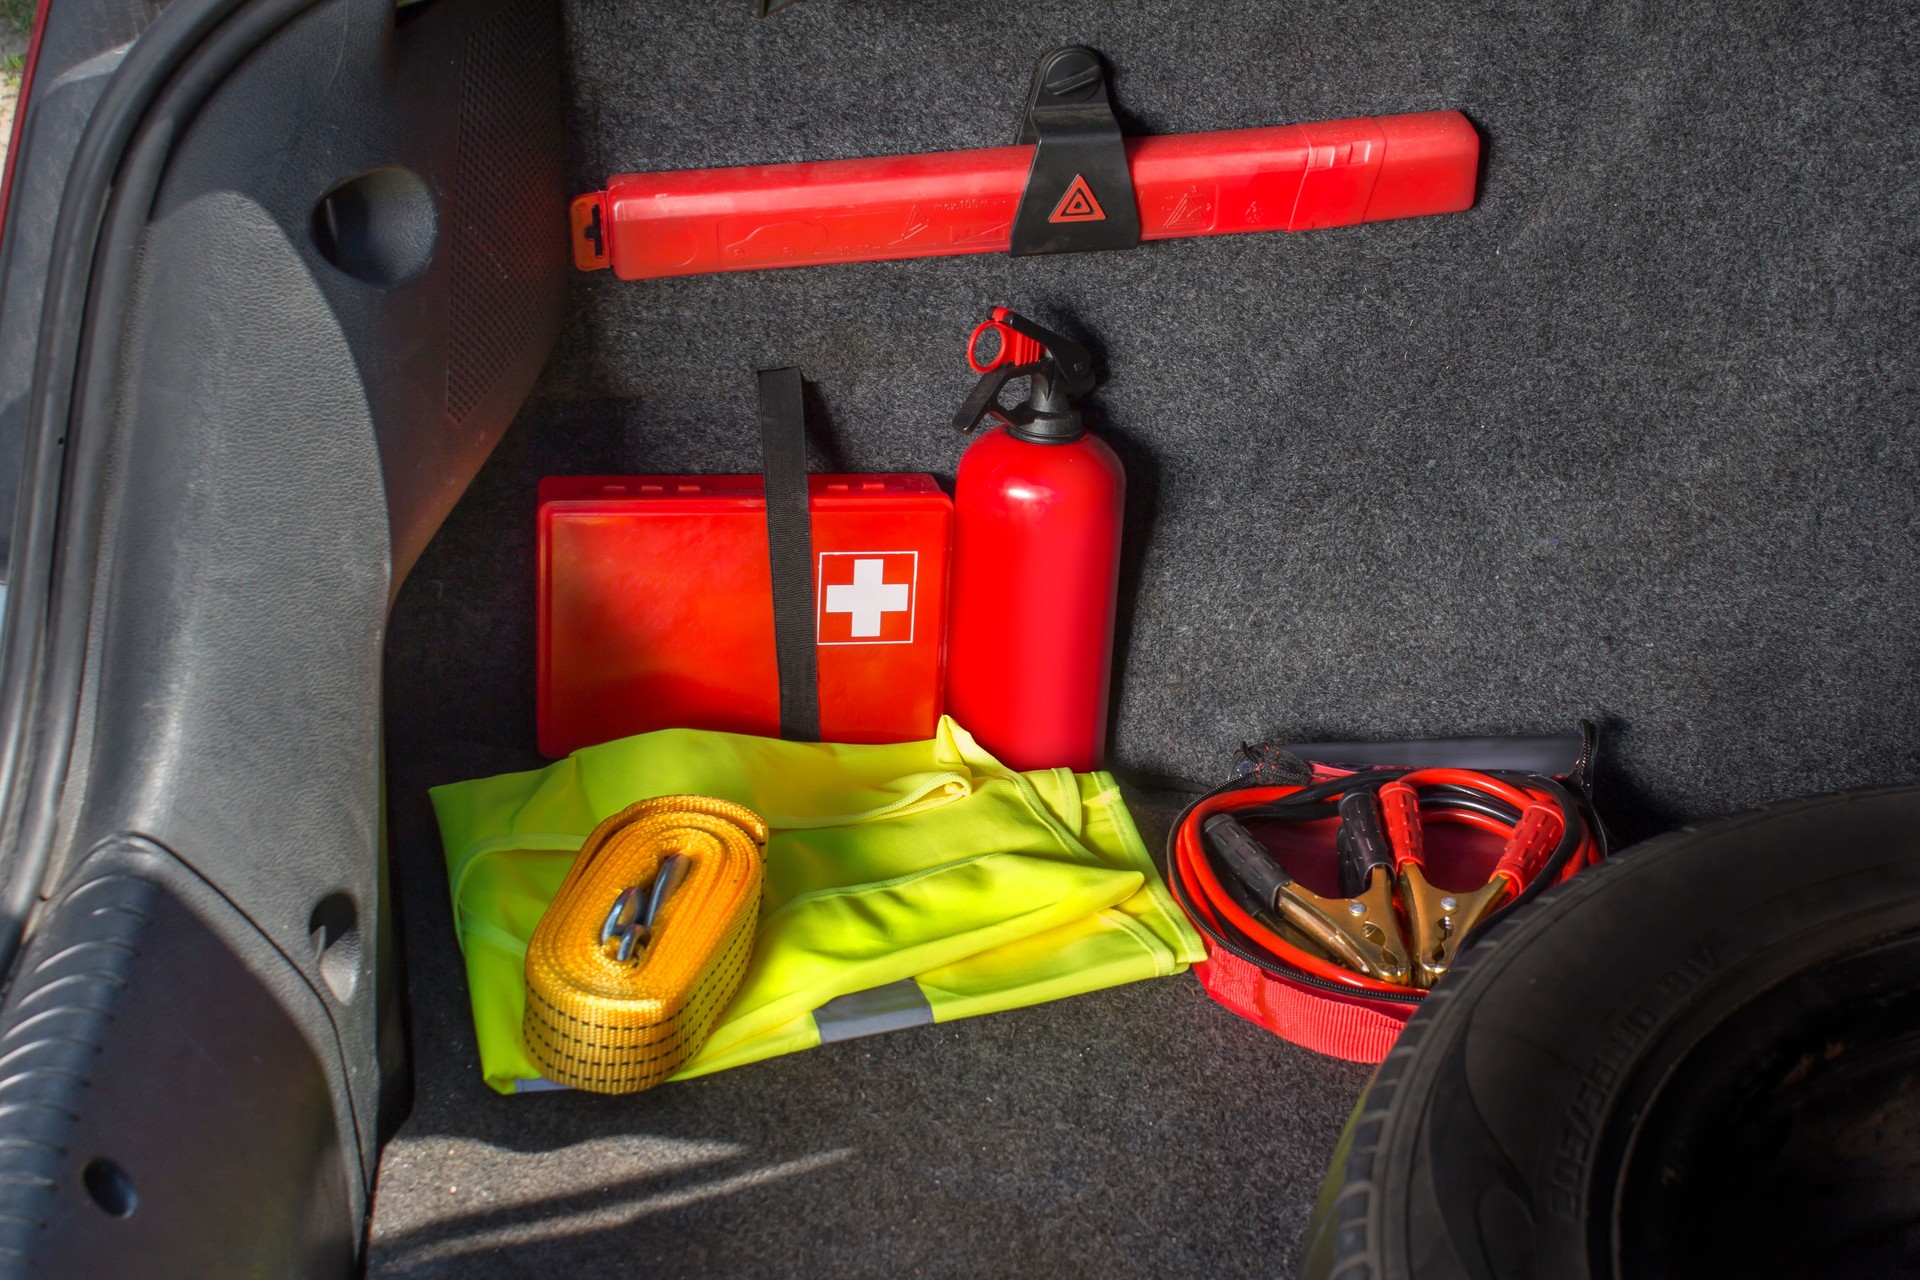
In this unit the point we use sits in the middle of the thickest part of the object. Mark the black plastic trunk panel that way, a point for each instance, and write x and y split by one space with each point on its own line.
280 443
167 1090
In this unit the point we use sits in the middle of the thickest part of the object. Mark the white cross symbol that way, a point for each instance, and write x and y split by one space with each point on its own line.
868 597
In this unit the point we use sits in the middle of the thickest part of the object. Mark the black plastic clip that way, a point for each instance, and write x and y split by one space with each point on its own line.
1079 193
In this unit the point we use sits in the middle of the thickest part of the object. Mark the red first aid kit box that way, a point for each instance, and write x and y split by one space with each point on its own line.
656 607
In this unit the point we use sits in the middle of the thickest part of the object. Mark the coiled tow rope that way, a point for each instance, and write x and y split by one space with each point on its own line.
645 942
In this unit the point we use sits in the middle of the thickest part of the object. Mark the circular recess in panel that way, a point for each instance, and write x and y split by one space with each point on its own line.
109 1187
379 226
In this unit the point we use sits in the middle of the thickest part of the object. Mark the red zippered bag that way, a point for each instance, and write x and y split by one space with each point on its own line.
1301 998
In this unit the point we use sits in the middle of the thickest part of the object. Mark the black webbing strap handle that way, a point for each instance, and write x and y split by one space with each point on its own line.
783 455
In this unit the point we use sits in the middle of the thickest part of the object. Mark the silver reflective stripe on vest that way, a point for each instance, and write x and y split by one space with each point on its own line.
539 1084
894 1007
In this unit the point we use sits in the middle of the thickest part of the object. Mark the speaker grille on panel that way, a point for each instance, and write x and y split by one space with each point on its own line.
506 235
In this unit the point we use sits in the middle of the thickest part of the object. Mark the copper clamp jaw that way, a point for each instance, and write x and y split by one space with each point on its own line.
1439 920
1359 932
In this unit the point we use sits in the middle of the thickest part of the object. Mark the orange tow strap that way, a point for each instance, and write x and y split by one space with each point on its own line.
645 942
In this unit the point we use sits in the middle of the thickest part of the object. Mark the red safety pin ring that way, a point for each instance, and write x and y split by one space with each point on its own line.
1000 357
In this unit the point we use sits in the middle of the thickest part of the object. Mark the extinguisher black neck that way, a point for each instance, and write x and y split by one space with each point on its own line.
1050 415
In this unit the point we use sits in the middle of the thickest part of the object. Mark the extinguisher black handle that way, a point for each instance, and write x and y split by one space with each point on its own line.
1061 371
1073 363
984 402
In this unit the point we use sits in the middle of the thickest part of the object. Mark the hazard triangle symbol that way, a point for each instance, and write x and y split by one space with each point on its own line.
1078 205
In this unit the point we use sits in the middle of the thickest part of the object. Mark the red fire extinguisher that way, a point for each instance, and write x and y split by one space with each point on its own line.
1036 557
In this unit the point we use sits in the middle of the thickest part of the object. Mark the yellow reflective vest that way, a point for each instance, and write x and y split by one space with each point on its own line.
905 884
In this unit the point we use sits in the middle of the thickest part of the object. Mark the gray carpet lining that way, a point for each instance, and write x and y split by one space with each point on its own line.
1634 439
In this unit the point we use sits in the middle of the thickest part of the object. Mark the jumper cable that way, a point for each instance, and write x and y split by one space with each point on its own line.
1239 896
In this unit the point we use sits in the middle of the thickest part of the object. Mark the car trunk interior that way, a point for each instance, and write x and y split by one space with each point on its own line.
1630 441
1484 473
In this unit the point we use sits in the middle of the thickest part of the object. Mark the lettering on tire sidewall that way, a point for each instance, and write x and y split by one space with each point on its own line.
1586 1112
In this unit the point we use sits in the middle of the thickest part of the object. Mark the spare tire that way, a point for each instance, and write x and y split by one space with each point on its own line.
1700 1059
